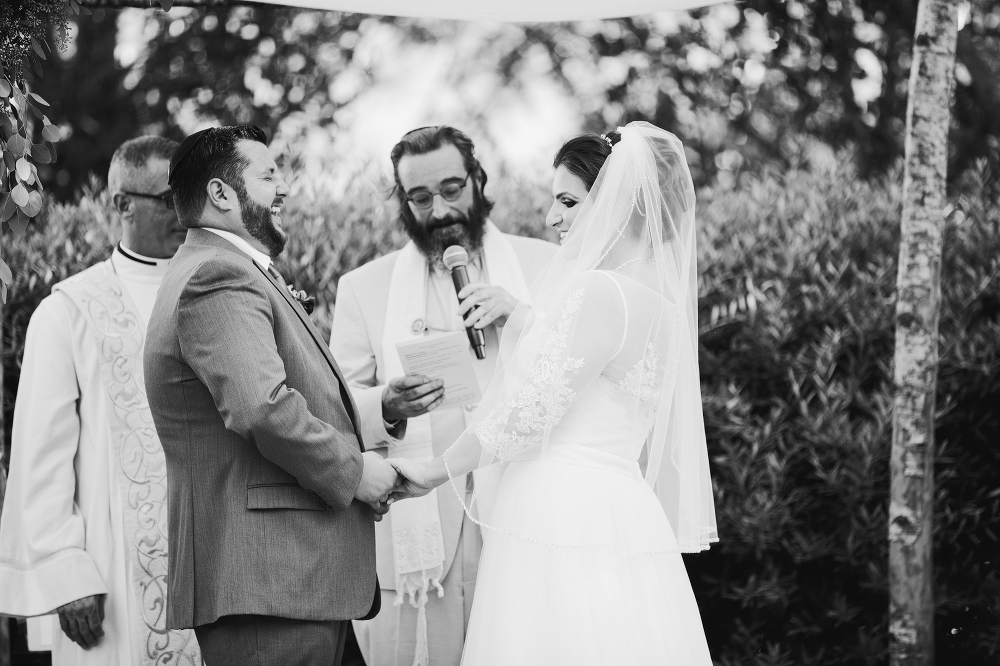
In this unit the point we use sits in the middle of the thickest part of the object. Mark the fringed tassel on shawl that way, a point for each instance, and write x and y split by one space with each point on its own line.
416 585
420 655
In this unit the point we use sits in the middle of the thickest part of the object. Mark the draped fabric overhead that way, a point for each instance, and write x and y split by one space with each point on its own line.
516 11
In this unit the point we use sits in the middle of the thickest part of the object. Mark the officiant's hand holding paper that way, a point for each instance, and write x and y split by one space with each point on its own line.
444 357
411 395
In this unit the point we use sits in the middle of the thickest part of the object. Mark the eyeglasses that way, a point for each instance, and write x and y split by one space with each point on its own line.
167 197
449 192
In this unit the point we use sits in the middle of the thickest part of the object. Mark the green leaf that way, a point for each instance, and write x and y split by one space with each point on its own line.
8 209
50 133
40 153
5 89
34 204
51 145
5 274
37 48
38 99
17 145
20 195
20 222
3 291
23 170
35 65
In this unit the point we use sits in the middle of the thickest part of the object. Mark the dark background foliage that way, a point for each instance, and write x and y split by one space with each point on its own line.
798 402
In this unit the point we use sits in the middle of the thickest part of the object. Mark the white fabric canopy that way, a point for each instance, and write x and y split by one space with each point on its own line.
517 11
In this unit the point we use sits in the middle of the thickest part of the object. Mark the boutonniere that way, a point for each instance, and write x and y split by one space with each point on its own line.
307 302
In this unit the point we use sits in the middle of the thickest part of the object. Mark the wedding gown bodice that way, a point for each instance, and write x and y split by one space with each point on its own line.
594 381
611 415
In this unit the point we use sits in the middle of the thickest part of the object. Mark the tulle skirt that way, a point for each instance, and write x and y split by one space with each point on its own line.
580 566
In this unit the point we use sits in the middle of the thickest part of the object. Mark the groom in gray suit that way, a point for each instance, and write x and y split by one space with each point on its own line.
271 494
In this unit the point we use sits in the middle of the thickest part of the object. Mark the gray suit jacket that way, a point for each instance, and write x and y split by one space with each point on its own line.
262 447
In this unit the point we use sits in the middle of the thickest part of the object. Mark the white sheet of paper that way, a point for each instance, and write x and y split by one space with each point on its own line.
443 356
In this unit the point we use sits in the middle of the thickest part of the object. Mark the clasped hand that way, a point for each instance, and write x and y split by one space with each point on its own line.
385 481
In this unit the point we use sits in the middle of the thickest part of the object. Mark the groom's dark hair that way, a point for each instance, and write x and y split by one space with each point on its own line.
427 139
210 153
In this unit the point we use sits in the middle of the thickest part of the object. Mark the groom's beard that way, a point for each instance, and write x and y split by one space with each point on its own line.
436 234
258 223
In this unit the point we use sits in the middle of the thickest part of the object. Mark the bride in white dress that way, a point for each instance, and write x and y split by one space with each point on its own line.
595 415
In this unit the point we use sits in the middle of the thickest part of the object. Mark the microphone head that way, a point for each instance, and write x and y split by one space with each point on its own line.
455 256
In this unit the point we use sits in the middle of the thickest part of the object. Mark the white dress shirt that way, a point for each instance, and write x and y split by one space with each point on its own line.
262 259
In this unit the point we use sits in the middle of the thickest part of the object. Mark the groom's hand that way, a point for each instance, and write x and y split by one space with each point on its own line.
482 304
378 481
411 395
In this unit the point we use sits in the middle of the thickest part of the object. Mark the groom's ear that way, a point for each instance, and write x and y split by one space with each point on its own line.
221 195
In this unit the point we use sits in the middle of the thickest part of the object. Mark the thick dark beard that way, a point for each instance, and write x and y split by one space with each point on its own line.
432 237
258 223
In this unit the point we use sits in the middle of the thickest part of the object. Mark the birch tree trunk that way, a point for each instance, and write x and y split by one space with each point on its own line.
918 295
5 657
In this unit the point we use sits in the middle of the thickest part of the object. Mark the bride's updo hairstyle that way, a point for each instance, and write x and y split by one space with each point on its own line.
584 155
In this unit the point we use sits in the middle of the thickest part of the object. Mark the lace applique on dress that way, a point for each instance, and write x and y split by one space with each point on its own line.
637 390
543 400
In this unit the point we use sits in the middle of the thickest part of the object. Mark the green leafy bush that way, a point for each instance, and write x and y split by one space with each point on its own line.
798 275
798 404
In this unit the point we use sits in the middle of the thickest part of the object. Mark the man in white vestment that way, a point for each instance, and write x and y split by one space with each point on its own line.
427 549
84 525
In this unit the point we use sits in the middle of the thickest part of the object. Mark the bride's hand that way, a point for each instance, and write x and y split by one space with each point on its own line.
415 479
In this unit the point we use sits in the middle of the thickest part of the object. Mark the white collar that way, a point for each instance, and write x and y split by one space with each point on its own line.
139 258
241 244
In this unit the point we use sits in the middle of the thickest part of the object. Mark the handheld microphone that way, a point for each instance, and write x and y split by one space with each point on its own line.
456 259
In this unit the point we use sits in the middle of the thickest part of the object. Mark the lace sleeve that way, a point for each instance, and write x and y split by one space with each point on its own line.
556 361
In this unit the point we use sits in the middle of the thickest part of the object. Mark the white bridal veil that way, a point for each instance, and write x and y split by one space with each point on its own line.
638 226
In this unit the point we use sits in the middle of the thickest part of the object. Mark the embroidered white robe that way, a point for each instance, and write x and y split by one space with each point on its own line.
85 511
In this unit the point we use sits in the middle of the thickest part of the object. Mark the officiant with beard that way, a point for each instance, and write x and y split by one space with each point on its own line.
427 549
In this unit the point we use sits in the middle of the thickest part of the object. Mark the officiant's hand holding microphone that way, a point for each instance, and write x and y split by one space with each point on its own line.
479 304
482 304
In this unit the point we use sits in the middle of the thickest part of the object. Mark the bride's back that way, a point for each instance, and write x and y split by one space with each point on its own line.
617 410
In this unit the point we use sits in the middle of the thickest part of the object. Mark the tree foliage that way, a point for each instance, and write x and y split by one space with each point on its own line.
26 26
798 406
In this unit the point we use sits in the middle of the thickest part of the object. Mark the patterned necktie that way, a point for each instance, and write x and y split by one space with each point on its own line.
308 303
276 275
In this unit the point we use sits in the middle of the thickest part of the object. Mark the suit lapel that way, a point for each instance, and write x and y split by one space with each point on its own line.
314 332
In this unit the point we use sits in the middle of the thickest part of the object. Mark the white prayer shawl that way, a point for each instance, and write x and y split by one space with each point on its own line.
416 523
133 571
